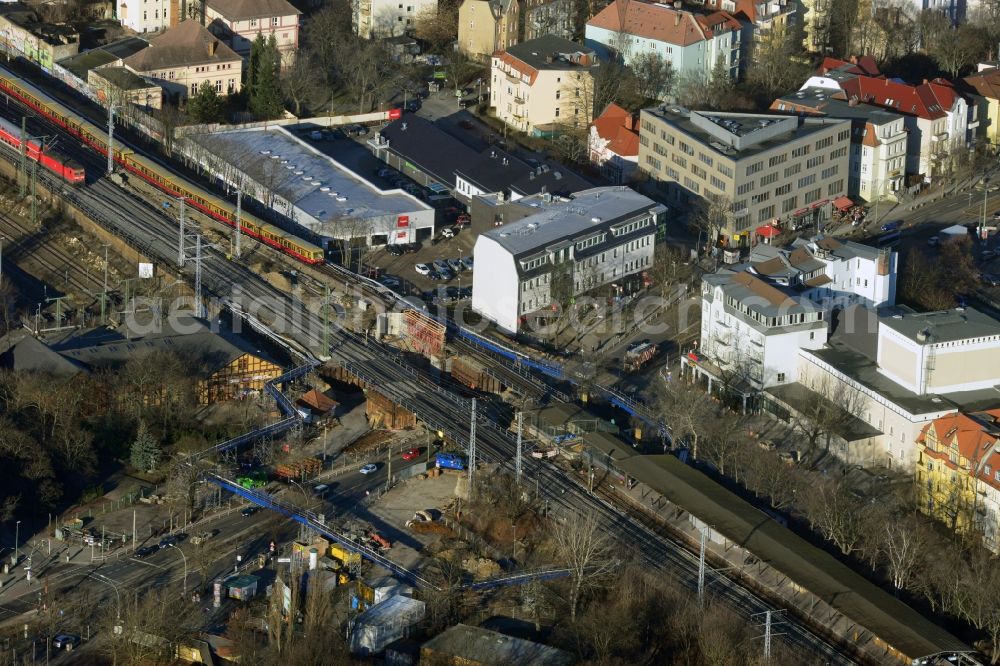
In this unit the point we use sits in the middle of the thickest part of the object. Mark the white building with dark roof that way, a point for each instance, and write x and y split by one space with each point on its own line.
534 266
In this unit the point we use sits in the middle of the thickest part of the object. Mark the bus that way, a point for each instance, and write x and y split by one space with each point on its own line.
449 461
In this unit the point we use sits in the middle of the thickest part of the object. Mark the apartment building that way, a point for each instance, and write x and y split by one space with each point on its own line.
146 15
692 43
613 143
757 316
184 57
764 16
984 86
488 26
528 270
939 121
388 18
238 22
765 169
543 85
957 476
878 139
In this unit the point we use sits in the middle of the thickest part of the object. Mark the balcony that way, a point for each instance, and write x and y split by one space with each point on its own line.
940 136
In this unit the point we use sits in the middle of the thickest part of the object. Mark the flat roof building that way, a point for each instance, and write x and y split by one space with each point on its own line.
310 188
762 170
429 155
531 268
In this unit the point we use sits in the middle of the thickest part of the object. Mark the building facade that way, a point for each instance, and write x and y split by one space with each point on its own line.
984 85
184 57
23 33
485 27
146 15
543 85
957 475
878 139
238 22
388 18
762 169
613 143
757 316
529 270
692 43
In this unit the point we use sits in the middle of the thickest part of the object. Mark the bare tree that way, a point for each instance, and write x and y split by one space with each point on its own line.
587 550
837 514
301 81
654 76
902 542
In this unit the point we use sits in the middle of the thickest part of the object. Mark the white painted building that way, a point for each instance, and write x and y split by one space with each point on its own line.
531 268
692 43
388 18
146 15
757 316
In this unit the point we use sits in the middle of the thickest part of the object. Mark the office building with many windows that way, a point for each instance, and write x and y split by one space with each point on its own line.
758 170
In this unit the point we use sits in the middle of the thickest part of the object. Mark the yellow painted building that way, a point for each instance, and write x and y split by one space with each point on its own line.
958 473
985 85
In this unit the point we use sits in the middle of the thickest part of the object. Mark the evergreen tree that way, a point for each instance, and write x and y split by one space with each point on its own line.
253 65
206 106
265 96
145 450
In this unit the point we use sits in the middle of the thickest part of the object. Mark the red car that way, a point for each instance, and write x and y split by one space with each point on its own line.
411 454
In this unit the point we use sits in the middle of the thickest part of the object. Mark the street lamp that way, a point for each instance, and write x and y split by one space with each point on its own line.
17 538
184 557
986 191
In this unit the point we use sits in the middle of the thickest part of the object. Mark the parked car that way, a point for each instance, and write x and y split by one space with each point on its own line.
169 540
65 641
394 250
465 292
249 511
466 103
370 468
440 265
391 281
357 130
411 454
199 539
422 269
446 274
146 551
411 247
467 262
456 265
448 232
891 226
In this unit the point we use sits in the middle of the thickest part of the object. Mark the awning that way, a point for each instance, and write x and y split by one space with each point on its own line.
768 231
842 203
800 212
820 203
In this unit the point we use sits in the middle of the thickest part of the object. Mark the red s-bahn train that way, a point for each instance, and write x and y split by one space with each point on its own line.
52 160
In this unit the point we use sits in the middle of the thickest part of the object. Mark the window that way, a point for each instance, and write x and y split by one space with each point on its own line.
829 172
788 205
725 170
194 88
744 188
698 171
691 185
776 160
781 377
807 180
813 196
760 198
755 167
275 20
253 23
653 162
679 161
800 151
824 143
769 178
784 189
706 159
718 184
557 112
558 92
793 169
814 162
218 86
840 152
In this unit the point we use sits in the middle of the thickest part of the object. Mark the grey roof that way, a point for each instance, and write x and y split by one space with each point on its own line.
82 63
537 52
123 78
835 105
490 648
943 326
838 247
764 296
241 10
32 355
837 584
313 182
443 157
562 220
738 142
187 43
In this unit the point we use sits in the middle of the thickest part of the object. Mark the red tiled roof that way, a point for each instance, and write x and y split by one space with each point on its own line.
619 128
974 444
772 295
930 99
518 65
863 66
662 23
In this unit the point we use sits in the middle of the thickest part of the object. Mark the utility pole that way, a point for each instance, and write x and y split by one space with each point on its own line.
326 325
239 219
180 239
34 201
768 630
701 568
472 447
104 292
517 459
111 139
58 301
22 171
197 276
